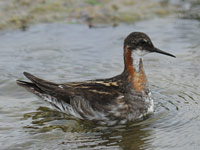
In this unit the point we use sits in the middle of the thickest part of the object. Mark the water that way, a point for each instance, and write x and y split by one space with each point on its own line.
62 53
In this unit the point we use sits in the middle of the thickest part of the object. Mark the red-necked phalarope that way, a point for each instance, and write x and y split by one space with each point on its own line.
123 98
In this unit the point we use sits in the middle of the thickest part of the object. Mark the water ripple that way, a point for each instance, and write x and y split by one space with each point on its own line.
72 53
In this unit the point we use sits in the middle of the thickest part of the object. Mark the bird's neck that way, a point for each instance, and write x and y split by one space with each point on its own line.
134 70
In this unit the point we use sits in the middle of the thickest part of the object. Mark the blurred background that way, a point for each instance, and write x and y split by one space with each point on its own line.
23 13
77 40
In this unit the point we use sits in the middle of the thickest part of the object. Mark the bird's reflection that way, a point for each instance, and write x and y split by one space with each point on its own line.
132 136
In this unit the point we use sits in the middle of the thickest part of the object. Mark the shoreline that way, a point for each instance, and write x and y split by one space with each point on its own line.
21 14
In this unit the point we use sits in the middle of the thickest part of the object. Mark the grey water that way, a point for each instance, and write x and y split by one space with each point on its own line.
73 52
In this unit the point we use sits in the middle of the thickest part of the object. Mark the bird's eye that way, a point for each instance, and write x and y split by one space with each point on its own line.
143 42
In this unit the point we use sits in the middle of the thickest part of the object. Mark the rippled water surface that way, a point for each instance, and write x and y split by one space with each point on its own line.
62 53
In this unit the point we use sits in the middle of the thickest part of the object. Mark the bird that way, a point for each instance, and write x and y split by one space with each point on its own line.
123 98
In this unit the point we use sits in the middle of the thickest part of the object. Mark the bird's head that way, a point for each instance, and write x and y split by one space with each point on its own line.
139 43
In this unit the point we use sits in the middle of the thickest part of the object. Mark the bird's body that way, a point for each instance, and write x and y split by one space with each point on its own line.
123 98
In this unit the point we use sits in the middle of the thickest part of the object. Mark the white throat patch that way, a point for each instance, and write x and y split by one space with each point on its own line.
137 55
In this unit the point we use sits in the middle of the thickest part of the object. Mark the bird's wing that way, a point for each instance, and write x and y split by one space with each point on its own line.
98 91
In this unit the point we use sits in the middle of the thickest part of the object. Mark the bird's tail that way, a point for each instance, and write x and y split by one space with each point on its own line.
48 91
31 87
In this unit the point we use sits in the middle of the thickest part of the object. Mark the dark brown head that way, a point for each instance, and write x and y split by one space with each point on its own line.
141 44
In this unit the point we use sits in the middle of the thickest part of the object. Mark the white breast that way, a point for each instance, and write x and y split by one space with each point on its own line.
149 100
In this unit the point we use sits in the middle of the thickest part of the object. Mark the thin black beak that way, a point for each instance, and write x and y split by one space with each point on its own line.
162 52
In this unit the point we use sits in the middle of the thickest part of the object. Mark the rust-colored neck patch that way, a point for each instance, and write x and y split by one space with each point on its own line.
136 78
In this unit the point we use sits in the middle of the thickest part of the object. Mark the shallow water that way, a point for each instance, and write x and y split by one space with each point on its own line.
62 52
